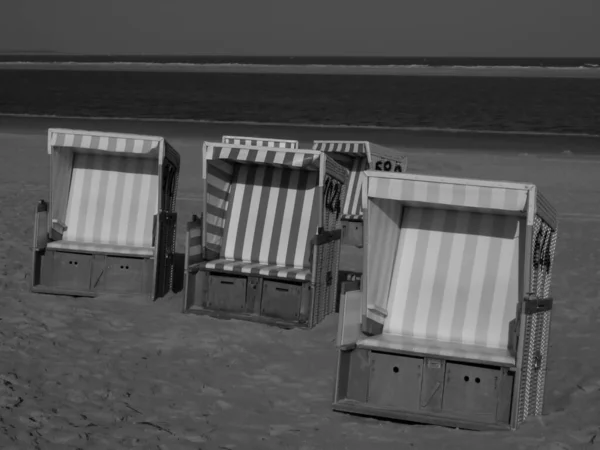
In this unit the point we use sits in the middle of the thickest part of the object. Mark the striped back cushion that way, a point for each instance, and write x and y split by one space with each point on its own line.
112 200
272 216
455 277
353 204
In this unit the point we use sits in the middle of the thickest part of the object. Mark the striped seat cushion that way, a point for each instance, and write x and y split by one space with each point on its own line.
463 352
112 200
272 216
101 248
455 277
247 268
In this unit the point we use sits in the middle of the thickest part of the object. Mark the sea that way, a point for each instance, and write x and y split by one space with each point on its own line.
529 105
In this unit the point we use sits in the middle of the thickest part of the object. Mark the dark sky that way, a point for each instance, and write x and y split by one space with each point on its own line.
305 27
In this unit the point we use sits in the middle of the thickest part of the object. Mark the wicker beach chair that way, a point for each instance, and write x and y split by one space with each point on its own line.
259 142
452 322
267 245
358 156
110 224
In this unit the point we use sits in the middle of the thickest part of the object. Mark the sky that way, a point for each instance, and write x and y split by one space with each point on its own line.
453 28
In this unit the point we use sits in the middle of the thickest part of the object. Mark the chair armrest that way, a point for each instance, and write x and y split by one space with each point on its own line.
40 226
326 236
349 324
373 321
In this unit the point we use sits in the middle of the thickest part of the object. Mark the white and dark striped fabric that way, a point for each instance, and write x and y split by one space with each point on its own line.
272 216
112 202
220 160
455 277
260 142
351 147
263 155
353 206
266 270
449 194
104 142
219 175
269 219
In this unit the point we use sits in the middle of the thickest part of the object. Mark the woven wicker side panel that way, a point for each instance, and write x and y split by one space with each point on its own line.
325 281
537 325
334 194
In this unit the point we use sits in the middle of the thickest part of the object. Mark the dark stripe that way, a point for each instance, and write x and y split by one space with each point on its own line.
216 192
215 211
112 144
129 145
212 229
277 229
95 143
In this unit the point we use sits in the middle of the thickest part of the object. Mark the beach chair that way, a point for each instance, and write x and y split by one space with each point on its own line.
260 142
452 321
358 156
267 245
109 226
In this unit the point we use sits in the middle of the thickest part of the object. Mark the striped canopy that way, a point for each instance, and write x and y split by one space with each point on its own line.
111 142
352 147
260 142
448 191
279 157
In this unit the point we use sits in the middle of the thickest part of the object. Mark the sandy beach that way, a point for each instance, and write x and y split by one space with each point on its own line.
122 373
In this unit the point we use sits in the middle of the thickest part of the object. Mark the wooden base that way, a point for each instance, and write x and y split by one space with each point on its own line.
283 303
83 274
424 390
352 233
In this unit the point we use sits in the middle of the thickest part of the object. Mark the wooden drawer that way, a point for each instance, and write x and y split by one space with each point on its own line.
472 391
395 381
71 270
123 275
226 293
281 300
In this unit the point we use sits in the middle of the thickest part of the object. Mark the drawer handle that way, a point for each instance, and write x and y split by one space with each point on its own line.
435 389
226 282
282 289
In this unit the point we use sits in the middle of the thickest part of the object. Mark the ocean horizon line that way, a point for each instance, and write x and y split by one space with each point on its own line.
441 130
